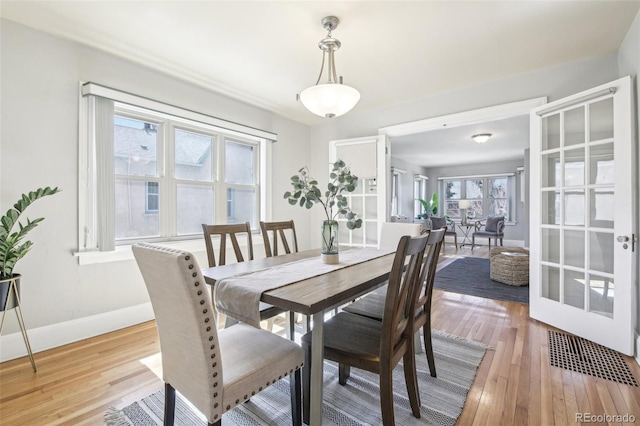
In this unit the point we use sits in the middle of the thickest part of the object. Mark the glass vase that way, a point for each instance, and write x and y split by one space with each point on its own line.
329 252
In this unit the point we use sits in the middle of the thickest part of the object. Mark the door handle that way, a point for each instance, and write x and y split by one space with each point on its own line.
625 239
622 239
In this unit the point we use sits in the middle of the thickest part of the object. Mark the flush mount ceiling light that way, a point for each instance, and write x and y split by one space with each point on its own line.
330 99
481 137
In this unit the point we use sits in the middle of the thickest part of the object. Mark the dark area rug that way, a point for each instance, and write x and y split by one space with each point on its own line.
470 275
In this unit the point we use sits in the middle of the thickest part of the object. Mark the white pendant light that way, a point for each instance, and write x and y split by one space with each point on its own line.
331 99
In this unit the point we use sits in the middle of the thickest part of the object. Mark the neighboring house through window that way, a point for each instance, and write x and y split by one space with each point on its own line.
169 175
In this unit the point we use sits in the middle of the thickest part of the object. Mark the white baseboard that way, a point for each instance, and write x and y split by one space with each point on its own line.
637 348
54 335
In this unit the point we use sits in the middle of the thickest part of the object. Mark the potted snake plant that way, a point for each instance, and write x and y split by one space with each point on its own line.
13 245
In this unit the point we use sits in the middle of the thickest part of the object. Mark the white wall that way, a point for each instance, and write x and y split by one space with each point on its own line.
39 147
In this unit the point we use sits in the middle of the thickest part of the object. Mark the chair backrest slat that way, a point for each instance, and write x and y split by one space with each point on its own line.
278 228
223 231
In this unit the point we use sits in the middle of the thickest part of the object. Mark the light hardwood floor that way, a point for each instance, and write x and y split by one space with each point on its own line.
515 385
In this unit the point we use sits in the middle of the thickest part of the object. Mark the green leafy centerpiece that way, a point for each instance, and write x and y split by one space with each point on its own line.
306 194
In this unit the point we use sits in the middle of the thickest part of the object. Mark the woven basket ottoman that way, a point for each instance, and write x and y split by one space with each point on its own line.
509 265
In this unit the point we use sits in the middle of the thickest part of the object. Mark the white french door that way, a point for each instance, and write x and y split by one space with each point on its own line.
582 222
366 157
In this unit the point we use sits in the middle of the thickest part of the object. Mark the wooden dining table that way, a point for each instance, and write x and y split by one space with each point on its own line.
313 297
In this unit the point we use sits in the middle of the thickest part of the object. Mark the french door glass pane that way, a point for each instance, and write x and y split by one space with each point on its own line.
601 252
551 172
574 248
574 126
135 147
550 280
551 207
551 245
239 163
601 120
132 220
195 207
372 233
551 132
371 207
241 205
601 164
574 167
601 295
574 284
193 156
601 213
574 207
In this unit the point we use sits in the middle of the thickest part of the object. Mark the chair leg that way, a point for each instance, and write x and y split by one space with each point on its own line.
411 381
344 371
500 242
169 404
455 241
292 325
218 423
473 241
386 395
428 348
296 398
306 383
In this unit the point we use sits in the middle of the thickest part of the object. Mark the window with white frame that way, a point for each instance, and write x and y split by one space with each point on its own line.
419 192
490 195
154 176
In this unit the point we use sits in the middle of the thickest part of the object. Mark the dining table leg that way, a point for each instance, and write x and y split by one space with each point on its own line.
317 370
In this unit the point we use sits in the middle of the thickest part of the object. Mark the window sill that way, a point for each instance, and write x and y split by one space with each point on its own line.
124 252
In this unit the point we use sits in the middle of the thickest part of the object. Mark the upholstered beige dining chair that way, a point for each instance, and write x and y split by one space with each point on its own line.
215 371
378 346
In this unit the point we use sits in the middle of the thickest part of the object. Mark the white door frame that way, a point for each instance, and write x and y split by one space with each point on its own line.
497 112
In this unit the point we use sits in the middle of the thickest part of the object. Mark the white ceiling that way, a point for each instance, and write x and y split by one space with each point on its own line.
454 146
264 52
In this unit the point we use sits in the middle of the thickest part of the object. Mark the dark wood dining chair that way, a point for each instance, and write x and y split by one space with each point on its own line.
272 232
274 235
210 368
378 346
231 232
372 305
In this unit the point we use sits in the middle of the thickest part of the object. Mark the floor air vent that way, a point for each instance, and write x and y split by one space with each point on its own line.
581 355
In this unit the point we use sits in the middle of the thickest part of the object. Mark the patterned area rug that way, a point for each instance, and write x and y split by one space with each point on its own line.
470 275
357 403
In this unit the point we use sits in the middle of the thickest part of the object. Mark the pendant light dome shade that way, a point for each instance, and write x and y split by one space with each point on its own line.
330 100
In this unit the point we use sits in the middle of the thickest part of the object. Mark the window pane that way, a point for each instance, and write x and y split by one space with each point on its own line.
451 197
551 132
195 207
132 220
241 205
498 198
239 163
601 120
134 147
193 156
